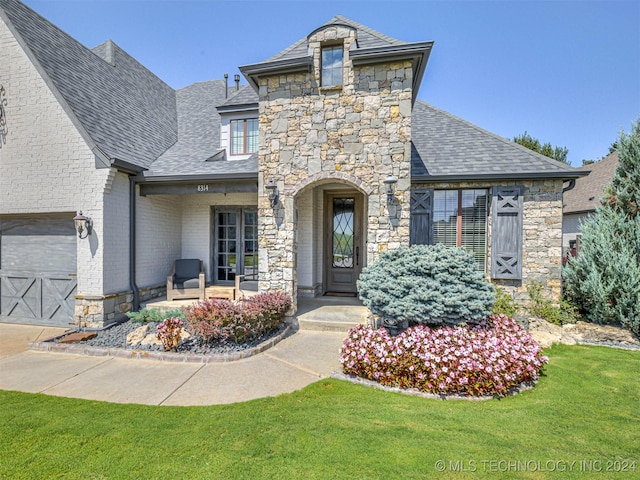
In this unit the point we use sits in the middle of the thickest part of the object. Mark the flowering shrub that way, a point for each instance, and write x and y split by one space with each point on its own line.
169 333
489 358
221 320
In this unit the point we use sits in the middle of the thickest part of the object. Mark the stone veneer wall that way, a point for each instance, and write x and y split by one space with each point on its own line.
98 311
356 133
542 235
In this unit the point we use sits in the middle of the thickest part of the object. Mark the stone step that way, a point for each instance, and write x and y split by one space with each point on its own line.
332 318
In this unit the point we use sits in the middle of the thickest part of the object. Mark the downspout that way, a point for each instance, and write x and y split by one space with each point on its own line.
572 183
135 306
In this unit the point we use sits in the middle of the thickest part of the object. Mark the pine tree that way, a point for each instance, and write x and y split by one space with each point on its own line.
605 278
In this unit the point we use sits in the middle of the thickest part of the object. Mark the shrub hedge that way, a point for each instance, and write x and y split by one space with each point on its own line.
222 320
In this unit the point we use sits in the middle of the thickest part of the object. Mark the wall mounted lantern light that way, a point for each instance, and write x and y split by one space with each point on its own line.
274 194
390 183
83 225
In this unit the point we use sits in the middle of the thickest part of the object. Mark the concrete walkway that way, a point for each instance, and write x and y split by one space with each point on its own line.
297 361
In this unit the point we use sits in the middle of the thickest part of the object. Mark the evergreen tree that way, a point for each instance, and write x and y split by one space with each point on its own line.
557 153
605 278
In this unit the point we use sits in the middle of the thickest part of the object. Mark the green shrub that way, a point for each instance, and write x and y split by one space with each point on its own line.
147 315
505 304
426 284
563 313
604 279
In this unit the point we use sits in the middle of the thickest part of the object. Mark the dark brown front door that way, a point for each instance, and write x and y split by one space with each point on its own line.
343 241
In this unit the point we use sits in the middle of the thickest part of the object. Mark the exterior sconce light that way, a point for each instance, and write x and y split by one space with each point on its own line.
274 194
390 183
83 225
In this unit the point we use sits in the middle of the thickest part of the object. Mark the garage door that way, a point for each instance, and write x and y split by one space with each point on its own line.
37 269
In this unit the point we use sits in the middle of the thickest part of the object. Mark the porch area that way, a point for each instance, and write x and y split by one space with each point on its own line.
325 314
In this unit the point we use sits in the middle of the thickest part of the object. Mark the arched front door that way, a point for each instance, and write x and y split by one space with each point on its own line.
343 243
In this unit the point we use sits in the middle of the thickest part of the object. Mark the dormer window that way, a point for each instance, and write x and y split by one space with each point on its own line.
332 66
244 136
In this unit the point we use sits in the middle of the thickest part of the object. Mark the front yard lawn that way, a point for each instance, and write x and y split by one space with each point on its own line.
584 410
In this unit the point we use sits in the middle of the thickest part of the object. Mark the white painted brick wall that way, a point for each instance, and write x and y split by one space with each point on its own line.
45 164
116 235
158 237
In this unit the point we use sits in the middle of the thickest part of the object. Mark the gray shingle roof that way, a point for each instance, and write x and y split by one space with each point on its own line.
196 152
588 191
127 111
445 147
367 38
244 96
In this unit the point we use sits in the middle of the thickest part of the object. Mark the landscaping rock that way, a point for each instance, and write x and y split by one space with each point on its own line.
546 333
135 337
78 337
591 332
151 339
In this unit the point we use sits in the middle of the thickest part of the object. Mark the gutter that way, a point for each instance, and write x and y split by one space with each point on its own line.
497 176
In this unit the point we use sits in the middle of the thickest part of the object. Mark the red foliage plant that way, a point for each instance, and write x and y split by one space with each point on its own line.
222 320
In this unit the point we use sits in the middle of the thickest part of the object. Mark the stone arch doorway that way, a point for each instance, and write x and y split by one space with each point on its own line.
331 237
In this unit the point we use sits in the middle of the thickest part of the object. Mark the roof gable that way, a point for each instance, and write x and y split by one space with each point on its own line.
447 148
127 111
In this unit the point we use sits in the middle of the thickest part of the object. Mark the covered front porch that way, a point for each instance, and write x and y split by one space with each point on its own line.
325 313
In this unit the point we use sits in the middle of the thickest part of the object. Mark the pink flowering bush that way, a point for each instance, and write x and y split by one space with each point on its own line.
488 358
222 320
168 333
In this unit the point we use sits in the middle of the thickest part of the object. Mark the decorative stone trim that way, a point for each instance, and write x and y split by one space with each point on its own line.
337 176
99 311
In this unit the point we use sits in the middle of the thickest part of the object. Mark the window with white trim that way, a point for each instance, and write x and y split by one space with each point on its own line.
244 136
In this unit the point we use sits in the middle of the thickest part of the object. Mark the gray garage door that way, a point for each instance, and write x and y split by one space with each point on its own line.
37 269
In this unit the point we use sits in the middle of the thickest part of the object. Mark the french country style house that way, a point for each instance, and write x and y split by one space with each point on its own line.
296 179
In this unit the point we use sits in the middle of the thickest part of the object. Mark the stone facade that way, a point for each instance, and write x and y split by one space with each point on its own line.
542 235
356 134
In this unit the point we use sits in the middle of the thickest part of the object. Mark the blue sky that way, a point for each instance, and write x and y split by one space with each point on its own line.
568 72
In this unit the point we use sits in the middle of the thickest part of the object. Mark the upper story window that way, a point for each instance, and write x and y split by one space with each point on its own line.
244 136
332 66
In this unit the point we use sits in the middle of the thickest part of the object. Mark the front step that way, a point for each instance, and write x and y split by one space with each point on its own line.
332 318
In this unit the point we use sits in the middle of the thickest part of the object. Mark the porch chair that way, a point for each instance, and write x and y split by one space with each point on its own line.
249 289
186 280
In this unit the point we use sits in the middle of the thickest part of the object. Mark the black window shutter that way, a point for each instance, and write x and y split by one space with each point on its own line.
506 233
421 232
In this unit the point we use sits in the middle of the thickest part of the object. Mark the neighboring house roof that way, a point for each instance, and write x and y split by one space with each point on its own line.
447 148
198 152
128 112
586 195
370 47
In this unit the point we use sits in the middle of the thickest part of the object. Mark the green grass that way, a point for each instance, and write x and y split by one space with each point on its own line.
585 409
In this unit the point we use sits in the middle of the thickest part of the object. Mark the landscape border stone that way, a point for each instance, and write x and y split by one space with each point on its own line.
417 393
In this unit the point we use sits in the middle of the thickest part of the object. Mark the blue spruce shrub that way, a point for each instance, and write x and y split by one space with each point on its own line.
426 284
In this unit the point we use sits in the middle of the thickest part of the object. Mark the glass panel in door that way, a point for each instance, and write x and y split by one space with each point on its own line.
343 217
226 243
250 250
